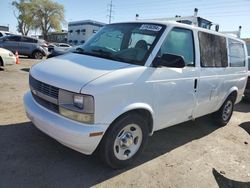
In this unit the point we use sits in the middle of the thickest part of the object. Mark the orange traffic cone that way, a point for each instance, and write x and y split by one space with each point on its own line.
17 58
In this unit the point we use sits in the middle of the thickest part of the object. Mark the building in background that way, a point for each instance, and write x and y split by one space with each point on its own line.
80 31
58 37
4 28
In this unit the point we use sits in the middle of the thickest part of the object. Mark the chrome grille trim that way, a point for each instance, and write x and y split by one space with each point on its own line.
43 96
43 88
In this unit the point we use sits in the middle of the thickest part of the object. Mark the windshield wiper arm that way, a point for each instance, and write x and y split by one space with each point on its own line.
79 51
102 52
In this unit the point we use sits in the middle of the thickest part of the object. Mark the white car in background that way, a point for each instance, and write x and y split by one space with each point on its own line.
7 57
58 47
62 47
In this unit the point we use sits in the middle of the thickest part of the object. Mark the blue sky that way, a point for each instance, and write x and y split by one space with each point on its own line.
228 13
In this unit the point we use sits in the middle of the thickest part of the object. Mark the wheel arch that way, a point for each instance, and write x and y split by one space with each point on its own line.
233 91
141 109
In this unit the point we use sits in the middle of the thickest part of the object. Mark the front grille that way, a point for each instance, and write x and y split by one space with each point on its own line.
47 90
46 104
44 88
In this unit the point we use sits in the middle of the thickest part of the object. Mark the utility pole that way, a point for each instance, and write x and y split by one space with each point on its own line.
110 11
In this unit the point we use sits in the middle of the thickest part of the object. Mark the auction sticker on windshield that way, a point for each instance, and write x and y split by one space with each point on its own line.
150 27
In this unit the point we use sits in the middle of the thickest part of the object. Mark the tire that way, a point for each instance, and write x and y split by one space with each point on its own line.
37 55
124 141
247 99
1 62
224 114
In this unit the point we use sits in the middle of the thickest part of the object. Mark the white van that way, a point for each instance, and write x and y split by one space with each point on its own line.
132 79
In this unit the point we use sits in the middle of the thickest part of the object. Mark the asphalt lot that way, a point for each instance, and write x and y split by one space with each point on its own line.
191 154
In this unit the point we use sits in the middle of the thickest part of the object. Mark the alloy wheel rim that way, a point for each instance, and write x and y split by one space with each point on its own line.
128 142
38 55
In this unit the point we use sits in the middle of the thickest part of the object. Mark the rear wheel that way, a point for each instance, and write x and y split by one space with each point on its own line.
124 141
224 114
1 62
247 98
37 55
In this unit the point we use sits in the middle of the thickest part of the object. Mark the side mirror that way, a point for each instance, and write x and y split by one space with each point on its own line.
169 60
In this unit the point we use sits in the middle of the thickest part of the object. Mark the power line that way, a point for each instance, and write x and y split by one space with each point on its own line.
110 11
181 4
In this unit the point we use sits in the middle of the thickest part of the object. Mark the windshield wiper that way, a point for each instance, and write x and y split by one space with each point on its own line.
79 51
102 52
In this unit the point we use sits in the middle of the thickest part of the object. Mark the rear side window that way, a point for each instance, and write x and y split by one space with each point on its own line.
249 63
213 50
248 49
179 42
27 39
13 38
236 53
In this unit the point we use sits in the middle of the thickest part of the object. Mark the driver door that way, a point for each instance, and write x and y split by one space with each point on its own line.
175 88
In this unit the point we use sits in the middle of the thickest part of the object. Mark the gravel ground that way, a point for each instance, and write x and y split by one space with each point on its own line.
192 154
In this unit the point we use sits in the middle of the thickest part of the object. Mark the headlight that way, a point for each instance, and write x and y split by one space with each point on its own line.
78 107
78 101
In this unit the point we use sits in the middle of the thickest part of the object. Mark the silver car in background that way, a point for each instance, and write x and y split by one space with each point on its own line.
27 46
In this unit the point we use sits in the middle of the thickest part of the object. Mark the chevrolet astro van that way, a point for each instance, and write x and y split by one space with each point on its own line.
132 79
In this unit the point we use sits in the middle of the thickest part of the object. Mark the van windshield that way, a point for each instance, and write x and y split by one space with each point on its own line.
127 42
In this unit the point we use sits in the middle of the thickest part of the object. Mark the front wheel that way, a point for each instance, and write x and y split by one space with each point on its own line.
37 55
124 141
224 114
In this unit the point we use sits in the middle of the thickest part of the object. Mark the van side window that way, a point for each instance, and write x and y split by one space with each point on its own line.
179 42
27 39
236 53
213 50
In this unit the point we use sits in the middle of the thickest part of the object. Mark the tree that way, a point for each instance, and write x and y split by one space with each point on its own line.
23 13
38 14
47 15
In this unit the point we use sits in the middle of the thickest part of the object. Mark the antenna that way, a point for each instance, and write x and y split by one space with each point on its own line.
196 11
110 11
136 16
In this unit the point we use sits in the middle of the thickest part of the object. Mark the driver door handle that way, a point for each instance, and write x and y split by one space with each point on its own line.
195 84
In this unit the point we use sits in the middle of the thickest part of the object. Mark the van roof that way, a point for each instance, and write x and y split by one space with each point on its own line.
192 27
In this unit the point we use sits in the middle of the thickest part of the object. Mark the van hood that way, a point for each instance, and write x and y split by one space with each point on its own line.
73 71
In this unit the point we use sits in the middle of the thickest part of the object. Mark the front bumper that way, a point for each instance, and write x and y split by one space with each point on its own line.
70 133
9 60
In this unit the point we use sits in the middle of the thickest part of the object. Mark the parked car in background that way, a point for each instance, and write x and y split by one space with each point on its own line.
6 57
247 90
58 46
61 50
132 79
27 46
5 33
